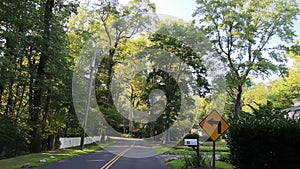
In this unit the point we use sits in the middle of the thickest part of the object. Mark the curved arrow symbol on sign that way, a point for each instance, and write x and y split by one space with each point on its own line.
212 122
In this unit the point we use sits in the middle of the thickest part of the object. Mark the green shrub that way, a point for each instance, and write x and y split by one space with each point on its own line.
9 134
191 160
191 136
264 143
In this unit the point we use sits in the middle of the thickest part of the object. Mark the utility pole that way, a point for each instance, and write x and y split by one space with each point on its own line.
88 100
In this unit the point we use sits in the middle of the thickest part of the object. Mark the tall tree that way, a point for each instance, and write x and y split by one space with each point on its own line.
186 43
35 109
281 92
34 64
284 91
241 31
110 24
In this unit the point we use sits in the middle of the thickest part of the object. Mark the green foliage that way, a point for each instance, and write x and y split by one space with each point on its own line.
191 136
9 134
267 111
240 32
256 94
189 44
264 142
176 164
189 156
191 160
35 73
141 85
112 27
281 93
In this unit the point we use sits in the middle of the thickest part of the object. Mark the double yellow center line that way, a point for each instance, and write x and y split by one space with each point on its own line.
116 158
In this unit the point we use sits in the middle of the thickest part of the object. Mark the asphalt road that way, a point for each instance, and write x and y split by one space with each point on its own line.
125 154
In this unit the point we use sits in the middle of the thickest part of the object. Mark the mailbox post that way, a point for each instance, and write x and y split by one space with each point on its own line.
193 141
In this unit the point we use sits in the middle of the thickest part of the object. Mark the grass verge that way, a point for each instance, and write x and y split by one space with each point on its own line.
176 164
60 154
179 164
205 148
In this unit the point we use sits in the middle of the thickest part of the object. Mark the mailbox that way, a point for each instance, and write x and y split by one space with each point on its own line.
191 142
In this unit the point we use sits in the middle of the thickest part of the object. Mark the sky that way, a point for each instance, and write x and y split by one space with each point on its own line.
184 9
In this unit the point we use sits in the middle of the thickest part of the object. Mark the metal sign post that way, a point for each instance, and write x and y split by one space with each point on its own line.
214 155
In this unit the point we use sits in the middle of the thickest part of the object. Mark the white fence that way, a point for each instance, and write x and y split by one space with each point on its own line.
66 142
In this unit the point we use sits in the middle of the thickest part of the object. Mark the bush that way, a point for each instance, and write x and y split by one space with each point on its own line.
191 136
191 160
9 134
264 143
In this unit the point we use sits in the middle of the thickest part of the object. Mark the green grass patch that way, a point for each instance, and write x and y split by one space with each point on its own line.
179 164
205 148
218 148
60 154
176 164
219 164
179 150
218 143
159 149
223 165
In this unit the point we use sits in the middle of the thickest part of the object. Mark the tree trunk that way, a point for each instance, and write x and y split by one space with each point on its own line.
66 129
9 98
131 127
51 142
102 134
18 109
16 148
151 128
237 105
1 148
166 137
110 62
35 109
1 92
131 113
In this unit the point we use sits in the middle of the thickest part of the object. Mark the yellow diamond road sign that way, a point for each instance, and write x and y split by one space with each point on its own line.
214 125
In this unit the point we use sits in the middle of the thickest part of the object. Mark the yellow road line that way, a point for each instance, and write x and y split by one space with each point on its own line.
113 160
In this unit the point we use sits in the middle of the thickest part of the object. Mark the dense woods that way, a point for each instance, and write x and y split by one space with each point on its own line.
35 75
41 41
